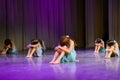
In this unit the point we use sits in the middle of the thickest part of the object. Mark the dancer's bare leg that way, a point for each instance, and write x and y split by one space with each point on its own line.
59 58
33 50
108 54
54 57
98 49
95 49
28 55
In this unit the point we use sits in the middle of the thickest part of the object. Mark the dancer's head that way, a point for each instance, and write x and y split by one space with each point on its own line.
34 41
111 43
7 42
98 40
65 40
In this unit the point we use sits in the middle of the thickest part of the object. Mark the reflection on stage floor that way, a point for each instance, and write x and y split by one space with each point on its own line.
89 67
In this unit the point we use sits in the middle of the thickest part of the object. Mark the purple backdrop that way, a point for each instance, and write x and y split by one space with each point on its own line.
83 20
23 20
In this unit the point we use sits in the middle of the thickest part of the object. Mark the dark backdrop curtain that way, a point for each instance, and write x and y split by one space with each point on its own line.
83 20
23 20
96 20
114 19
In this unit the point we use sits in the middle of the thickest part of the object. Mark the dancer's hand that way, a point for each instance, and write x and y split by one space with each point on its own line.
29 45
56 48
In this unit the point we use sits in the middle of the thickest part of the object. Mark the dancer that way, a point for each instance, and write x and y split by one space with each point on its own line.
112 49
9 47
35 48
65 52
99 45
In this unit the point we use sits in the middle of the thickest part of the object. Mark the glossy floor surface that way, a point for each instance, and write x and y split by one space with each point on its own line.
89 67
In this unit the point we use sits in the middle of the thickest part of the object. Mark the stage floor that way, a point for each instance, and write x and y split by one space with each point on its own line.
89 67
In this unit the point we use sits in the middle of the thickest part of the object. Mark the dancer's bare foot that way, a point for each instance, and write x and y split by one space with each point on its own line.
30 56
51 62
27 56
107 57
56 62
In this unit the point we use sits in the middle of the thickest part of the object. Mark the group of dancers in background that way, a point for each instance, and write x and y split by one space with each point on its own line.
35 48
111 50
65 51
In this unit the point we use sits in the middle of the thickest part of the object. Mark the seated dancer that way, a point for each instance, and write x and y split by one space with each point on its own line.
36 48
9 47
65 52
99 45
112 49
